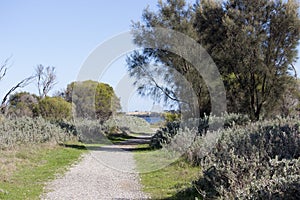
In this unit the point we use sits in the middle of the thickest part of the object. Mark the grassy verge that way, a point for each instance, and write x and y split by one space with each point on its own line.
171 182
25 170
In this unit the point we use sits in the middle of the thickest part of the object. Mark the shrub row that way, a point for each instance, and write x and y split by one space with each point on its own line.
165 134
26 130
258 161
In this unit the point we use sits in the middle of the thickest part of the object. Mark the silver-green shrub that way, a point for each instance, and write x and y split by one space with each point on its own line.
90 131
258 161
165 134
26 130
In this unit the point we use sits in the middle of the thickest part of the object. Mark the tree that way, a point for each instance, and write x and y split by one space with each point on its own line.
54 108
46 79
254 55
21 84
22 104
164 75
92 99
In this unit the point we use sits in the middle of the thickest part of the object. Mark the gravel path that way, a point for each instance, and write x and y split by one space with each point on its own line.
103 173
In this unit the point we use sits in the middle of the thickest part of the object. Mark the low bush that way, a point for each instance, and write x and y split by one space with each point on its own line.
258 161
165 134
54 108
171 117
26 130
90 131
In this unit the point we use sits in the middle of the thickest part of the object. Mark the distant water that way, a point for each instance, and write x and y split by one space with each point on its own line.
153 120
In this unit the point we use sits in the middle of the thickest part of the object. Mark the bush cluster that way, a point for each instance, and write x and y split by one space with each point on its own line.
258 161
26 130
165 134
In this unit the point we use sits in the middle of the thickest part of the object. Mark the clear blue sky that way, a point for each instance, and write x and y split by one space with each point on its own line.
62 33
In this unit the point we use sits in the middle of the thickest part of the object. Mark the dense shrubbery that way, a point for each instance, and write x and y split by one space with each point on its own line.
27 130
54 108
91 131
165 134
258 161
243 161
171 117
22 104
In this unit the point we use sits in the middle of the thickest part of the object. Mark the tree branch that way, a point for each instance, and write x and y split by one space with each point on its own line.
21 84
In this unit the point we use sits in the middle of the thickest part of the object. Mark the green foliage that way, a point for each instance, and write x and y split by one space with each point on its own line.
253 55
22 104
258 161
25 130
165 134
171 117
93 100
54 108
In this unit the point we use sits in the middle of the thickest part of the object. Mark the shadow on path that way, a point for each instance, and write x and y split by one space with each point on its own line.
136 142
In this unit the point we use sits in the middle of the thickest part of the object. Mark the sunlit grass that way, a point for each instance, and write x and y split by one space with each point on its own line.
164 177
26 169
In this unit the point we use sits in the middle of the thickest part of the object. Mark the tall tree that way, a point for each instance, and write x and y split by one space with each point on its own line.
253 44
255 48
92 99
164 75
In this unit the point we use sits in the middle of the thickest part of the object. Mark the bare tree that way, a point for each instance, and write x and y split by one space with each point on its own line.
46 79
3 68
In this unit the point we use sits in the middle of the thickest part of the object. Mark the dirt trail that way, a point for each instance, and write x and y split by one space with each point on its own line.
104 173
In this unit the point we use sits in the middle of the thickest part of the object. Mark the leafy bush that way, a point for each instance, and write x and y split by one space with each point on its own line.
27 130
171 117
164 135
259 161
54 108
22 104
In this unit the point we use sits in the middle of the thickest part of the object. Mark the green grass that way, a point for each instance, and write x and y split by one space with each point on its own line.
171 181
32 167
